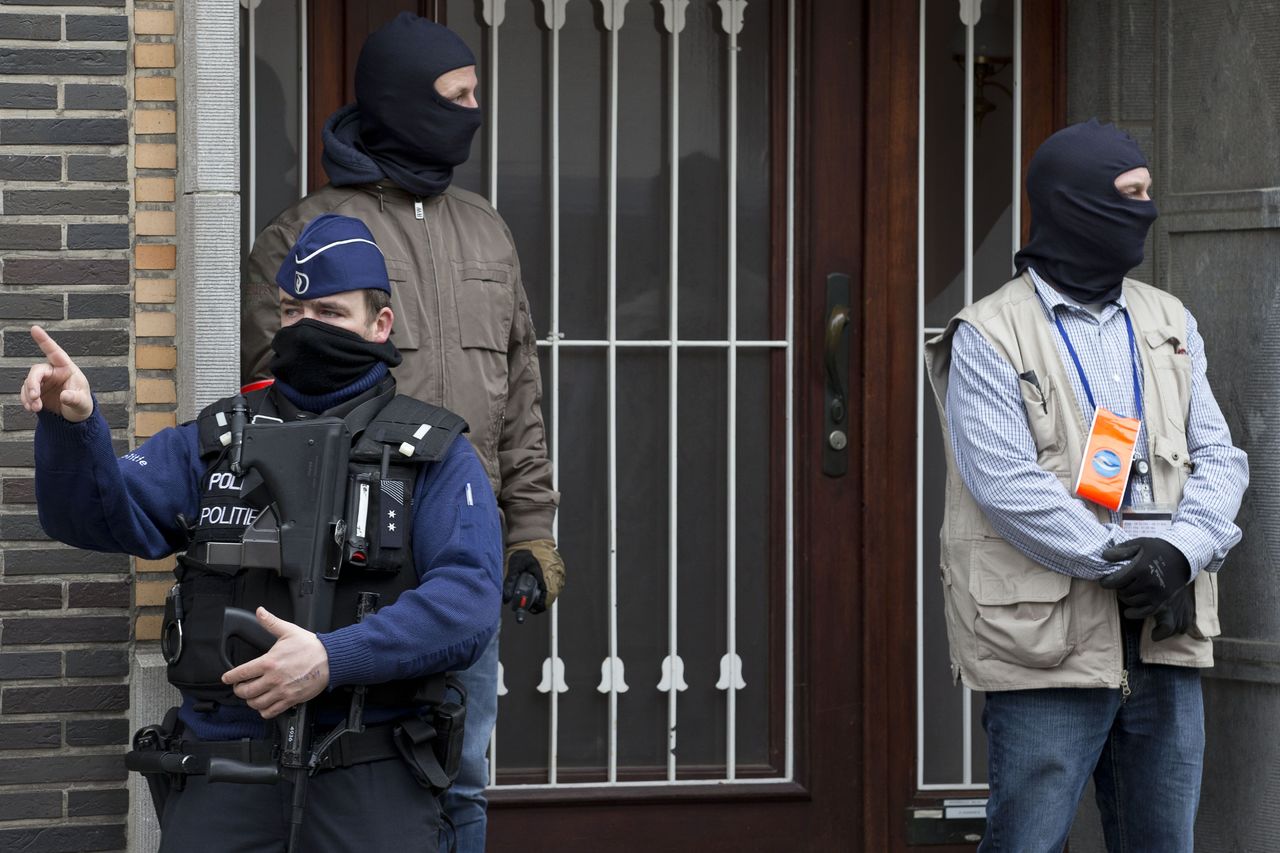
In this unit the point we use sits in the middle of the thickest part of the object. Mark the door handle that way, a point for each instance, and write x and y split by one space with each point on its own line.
835 415
837 320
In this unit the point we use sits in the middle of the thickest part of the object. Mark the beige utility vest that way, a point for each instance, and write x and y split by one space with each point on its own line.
1011 622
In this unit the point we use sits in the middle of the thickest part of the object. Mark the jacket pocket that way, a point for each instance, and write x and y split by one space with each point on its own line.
486 302
406 305
1022 613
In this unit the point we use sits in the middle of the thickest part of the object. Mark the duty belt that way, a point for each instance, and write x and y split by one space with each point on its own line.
376 743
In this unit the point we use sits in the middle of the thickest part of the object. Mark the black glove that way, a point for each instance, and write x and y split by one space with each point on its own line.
1156 571
525 586
1178 616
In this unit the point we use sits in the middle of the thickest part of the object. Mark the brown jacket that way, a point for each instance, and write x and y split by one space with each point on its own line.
461 321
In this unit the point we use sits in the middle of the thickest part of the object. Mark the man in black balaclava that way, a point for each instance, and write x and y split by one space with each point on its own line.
1084 625
411 134
462 317
1090 211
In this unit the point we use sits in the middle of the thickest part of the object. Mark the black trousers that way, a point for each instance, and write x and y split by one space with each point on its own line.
368 807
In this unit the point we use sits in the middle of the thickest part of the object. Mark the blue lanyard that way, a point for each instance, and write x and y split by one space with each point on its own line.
1133 352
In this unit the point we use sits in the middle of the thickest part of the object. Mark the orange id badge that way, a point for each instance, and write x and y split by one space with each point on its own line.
1104 471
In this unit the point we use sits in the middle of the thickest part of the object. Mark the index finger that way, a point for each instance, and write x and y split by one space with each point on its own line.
245 672
54 353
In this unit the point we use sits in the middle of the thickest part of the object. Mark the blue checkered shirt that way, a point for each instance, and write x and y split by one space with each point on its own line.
1026 504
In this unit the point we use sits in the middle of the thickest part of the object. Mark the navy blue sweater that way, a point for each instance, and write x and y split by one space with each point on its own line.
90 499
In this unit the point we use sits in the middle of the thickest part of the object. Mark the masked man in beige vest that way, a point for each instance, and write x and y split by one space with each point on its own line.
462 317
1085 626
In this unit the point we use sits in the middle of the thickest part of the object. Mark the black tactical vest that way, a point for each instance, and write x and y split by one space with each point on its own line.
394 439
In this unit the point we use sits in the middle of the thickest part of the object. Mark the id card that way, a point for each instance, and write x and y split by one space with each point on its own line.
1108 455
1149 520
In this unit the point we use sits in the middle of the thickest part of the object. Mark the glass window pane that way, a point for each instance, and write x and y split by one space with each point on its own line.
273 109
643 556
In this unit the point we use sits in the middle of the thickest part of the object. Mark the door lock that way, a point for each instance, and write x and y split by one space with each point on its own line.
835 456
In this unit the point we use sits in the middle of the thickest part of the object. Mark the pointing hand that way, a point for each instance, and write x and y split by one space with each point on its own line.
56 385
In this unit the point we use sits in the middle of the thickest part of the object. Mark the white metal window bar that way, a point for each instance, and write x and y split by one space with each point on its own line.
673 666
731 665
970 15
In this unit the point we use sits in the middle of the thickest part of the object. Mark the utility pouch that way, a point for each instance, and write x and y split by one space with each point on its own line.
379 511
195 611
449 720
415 739
432 745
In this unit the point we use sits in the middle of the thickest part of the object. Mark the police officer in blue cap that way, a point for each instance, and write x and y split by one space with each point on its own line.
422 558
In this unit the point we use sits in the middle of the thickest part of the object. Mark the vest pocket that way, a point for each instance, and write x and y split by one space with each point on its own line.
1171 453
1040 401
1022 614
1172 373
1206 592
204 596
205 593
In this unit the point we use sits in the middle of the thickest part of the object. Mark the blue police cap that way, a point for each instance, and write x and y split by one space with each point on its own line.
334 254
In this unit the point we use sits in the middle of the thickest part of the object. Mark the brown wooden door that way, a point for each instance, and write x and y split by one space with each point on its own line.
853 208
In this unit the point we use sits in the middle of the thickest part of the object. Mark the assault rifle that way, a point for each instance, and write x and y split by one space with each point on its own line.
296 474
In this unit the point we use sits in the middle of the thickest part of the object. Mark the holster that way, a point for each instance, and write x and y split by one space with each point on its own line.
432 746
159 739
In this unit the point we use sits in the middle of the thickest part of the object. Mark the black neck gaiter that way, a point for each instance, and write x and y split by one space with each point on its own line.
414 135
1085 235
317 358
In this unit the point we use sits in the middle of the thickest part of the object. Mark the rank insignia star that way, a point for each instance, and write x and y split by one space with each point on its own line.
392 504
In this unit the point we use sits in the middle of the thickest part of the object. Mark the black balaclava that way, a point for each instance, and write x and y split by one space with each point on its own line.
414 135
319 358
1085 235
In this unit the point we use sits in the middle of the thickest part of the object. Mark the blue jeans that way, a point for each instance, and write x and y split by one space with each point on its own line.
464 803
1145 754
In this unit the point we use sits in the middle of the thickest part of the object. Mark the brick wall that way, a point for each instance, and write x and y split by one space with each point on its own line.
87 167
155 260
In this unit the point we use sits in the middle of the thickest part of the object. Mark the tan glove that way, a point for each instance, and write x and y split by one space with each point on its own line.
539 559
